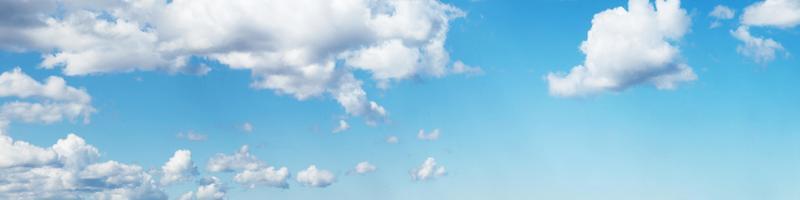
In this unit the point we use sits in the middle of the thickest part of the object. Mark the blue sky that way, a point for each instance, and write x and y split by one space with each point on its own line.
732 133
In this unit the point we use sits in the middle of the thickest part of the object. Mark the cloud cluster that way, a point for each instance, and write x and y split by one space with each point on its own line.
629 47
41 102
250 170
69 170
428 170
781 14
301 48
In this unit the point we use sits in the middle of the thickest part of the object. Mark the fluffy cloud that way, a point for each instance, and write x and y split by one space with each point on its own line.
268 176
210 189
775 13
68 170
428 170
343 126
314 177
277 41
250 170
365 167
53 99
762 50
179 168
629 47
433 135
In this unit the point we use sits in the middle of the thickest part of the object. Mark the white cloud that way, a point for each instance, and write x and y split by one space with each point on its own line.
314 177
212 189
343 126
268 176
461 68
192 136
56 100
629 47
433 135
428 170
240 160
179 168
722 12
392 140
762 50
247 127
365 167
774 13
68 170
278 41
250 170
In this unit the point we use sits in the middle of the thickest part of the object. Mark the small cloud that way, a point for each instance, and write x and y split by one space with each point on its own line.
433 135
761 50
392 139
343 126
192 136
247 127
314 177
364 167
461 68
428 170
720 13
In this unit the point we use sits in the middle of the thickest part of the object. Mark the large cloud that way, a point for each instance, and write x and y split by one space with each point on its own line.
302 48
69 170
179 168
629 47
44 102
775 13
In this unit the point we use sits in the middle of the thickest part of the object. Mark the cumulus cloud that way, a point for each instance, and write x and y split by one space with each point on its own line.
629 47
314 177
268 176
69 170
43 102
433 135
277 41
343 126
250 170
428 170
210 188
192 136
774 13
179 168
365 167
762 50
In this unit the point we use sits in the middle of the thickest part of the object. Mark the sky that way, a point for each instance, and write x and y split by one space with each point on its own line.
382 99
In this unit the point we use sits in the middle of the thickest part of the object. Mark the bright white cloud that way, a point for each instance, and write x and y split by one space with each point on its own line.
212 189
762 50
433 135
392 139
314 177
68 170
343 126
629 47
278 41
365 167
240 160
267 176
774 13
428 170
179 168
192 136
51 101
